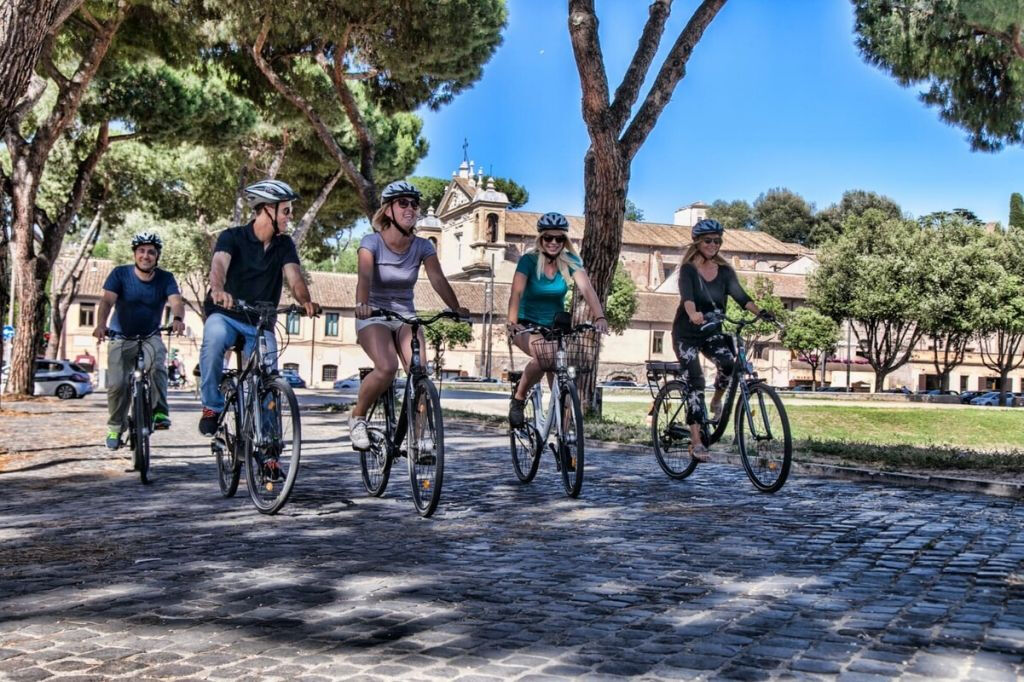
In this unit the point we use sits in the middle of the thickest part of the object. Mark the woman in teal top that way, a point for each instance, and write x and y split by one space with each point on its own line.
538 294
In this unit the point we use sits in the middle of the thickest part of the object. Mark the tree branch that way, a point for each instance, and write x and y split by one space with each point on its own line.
299 233
362 185
586 46
275 164
36 88
1012 40
349 104
673 69
629 88
124 137
53 238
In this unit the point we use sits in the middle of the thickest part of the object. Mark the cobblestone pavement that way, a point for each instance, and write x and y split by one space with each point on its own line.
101 577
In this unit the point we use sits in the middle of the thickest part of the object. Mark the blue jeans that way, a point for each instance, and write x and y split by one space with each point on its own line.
219 334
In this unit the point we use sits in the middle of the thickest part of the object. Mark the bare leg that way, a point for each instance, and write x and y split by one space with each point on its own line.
379 344
532 372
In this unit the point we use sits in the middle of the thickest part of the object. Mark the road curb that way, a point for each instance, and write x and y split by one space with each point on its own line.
951 483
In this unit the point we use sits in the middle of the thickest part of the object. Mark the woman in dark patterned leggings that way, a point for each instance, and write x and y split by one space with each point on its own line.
705 279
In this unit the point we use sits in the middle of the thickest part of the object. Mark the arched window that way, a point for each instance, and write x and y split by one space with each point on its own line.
492 227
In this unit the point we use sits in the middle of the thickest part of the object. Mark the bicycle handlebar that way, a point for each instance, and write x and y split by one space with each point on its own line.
717 318
111 334
551 333
265 308
392 315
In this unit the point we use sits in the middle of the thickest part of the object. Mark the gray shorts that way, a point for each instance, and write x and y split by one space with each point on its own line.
393 325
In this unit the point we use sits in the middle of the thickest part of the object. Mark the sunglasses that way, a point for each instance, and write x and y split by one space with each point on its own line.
712 240
406 203
548 238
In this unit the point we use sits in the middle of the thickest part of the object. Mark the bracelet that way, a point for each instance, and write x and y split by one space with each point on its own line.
600 318
178 319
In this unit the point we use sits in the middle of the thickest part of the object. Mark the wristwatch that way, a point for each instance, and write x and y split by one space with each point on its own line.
178 318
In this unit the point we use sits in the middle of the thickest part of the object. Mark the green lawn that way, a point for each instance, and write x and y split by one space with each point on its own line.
985 429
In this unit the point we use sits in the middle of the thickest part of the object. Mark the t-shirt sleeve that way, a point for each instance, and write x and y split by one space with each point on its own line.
686 288
575 264
426 249
735 289
171 288
226 243
371 243
527 264
114 283
291 254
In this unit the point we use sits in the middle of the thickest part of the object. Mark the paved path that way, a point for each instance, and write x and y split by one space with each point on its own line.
102 578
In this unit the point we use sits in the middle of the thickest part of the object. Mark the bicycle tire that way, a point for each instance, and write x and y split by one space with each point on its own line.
142 425
270 477
375 463
229 444
426 458
670 434
524 443
767 466
570 441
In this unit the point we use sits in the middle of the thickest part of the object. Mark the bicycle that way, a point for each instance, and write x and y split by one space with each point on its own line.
260 425
762 428
425 448
140 407
563 352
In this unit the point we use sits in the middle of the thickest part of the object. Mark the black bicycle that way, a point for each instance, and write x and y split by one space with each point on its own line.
563 352
424 447
140 408
259 425
762 430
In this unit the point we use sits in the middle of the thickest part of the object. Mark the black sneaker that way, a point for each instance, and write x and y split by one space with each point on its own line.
515 413
208 422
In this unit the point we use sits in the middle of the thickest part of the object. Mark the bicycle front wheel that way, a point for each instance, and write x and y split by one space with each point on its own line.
670 433
375 463
426 448
525 443
271 468
229 445
764 438
570 441
142 425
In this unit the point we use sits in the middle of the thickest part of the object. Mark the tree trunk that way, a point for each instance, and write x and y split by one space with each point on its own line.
65 286
944 381
880 375
24 28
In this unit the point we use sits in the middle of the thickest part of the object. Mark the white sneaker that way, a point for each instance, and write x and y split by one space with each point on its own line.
358 434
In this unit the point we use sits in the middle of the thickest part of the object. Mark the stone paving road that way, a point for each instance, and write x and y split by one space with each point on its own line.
102 578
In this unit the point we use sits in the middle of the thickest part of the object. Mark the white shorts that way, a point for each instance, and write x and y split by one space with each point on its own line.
393 325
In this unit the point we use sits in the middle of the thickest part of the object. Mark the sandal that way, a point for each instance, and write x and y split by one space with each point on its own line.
700 453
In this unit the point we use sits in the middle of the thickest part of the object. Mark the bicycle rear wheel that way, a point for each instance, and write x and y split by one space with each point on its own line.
525 443
669 432
425 447
375 463
142 424
271 469
570 441
229 445
765 441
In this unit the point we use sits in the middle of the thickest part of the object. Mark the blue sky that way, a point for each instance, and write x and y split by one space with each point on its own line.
776 94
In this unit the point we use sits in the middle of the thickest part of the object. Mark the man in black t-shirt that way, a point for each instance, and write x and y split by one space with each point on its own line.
250 263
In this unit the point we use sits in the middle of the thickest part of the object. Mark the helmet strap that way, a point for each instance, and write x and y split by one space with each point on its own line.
395 224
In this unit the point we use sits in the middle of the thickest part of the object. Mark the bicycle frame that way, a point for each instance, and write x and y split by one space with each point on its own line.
559 379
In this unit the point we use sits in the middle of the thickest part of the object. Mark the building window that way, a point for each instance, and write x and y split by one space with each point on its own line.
330 372
492 227
331 324
87 315
963 382
658 343
291 367
293 323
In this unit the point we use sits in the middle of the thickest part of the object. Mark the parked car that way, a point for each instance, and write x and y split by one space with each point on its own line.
967 396
293 378
991 398
801 388
62 378
936 391
347 384
903 390
474 380
620 383
832 389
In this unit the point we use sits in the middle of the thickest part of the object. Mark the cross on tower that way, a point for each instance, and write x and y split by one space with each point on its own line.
465 149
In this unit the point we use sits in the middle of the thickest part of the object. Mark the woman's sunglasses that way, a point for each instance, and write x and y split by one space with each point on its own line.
712 240
406 203
548 238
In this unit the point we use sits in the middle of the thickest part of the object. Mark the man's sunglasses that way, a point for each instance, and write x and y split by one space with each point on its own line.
553 238
712 240
406 203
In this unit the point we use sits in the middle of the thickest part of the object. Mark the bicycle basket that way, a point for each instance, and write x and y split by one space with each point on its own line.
580 351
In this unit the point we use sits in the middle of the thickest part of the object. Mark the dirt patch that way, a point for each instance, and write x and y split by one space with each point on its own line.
19 413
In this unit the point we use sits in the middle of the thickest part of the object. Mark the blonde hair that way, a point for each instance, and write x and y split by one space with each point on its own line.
692 251
563 262
381 220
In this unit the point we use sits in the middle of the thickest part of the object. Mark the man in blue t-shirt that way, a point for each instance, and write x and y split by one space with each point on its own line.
138 294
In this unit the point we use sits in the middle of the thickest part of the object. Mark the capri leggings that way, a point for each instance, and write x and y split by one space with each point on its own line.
719 349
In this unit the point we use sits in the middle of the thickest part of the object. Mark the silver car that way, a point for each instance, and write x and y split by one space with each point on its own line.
61 378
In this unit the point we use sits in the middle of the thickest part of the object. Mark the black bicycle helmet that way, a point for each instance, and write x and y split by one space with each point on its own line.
398 189
552 221
147 238
268 192
706 226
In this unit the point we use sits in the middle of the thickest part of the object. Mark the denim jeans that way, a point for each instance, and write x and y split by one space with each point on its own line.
219 334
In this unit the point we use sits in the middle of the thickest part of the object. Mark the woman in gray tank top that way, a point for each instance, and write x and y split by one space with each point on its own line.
389 264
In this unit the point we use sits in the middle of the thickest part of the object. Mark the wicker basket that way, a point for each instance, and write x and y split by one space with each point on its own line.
580 351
